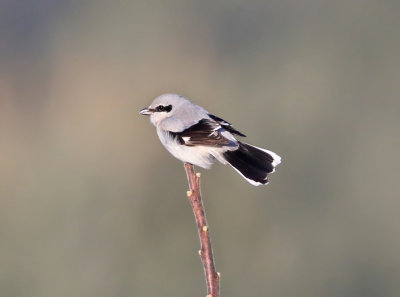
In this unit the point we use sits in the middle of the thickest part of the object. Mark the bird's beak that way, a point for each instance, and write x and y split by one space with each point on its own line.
146 111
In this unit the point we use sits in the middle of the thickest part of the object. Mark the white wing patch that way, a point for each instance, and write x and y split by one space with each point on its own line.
186 138
214 131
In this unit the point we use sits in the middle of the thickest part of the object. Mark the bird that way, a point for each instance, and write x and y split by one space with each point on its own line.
193 135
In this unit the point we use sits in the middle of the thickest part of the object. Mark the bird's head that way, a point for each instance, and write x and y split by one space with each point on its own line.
164 106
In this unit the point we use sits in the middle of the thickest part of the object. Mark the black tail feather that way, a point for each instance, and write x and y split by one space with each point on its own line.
252 163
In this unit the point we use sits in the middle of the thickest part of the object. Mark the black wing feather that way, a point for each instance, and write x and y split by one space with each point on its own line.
206 132
227 126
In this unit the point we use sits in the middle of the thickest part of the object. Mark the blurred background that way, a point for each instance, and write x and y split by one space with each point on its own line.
93 205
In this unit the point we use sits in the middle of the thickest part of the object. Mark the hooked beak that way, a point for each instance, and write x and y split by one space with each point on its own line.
146 111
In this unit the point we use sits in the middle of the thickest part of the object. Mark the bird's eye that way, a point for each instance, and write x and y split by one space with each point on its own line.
162 108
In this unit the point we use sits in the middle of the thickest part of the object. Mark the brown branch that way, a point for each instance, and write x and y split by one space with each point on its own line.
206 254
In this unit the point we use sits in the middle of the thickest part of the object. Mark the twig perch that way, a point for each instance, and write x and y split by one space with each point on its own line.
206 254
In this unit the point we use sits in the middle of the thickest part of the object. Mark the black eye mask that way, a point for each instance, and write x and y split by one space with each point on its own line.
162 108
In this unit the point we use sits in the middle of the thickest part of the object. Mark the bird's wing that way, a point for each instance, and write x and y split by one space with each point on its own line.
206 132
227 126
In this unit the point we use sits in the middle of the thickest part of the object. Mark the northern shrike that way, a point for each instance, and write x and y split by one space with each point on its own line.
193 135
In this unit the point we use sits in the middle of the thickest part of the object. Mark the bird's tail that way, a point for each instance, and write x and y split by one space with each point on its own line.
253 163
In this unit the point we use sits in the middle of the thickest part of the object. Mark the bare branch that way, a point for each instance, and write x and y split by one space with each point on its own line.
206 254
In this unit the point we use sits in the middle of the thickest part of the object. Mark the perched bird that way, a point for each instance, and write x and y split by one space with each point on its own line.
193 135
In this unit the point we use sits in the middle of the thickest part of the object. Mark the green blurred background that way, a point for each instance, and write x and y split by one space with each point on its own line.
93 205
